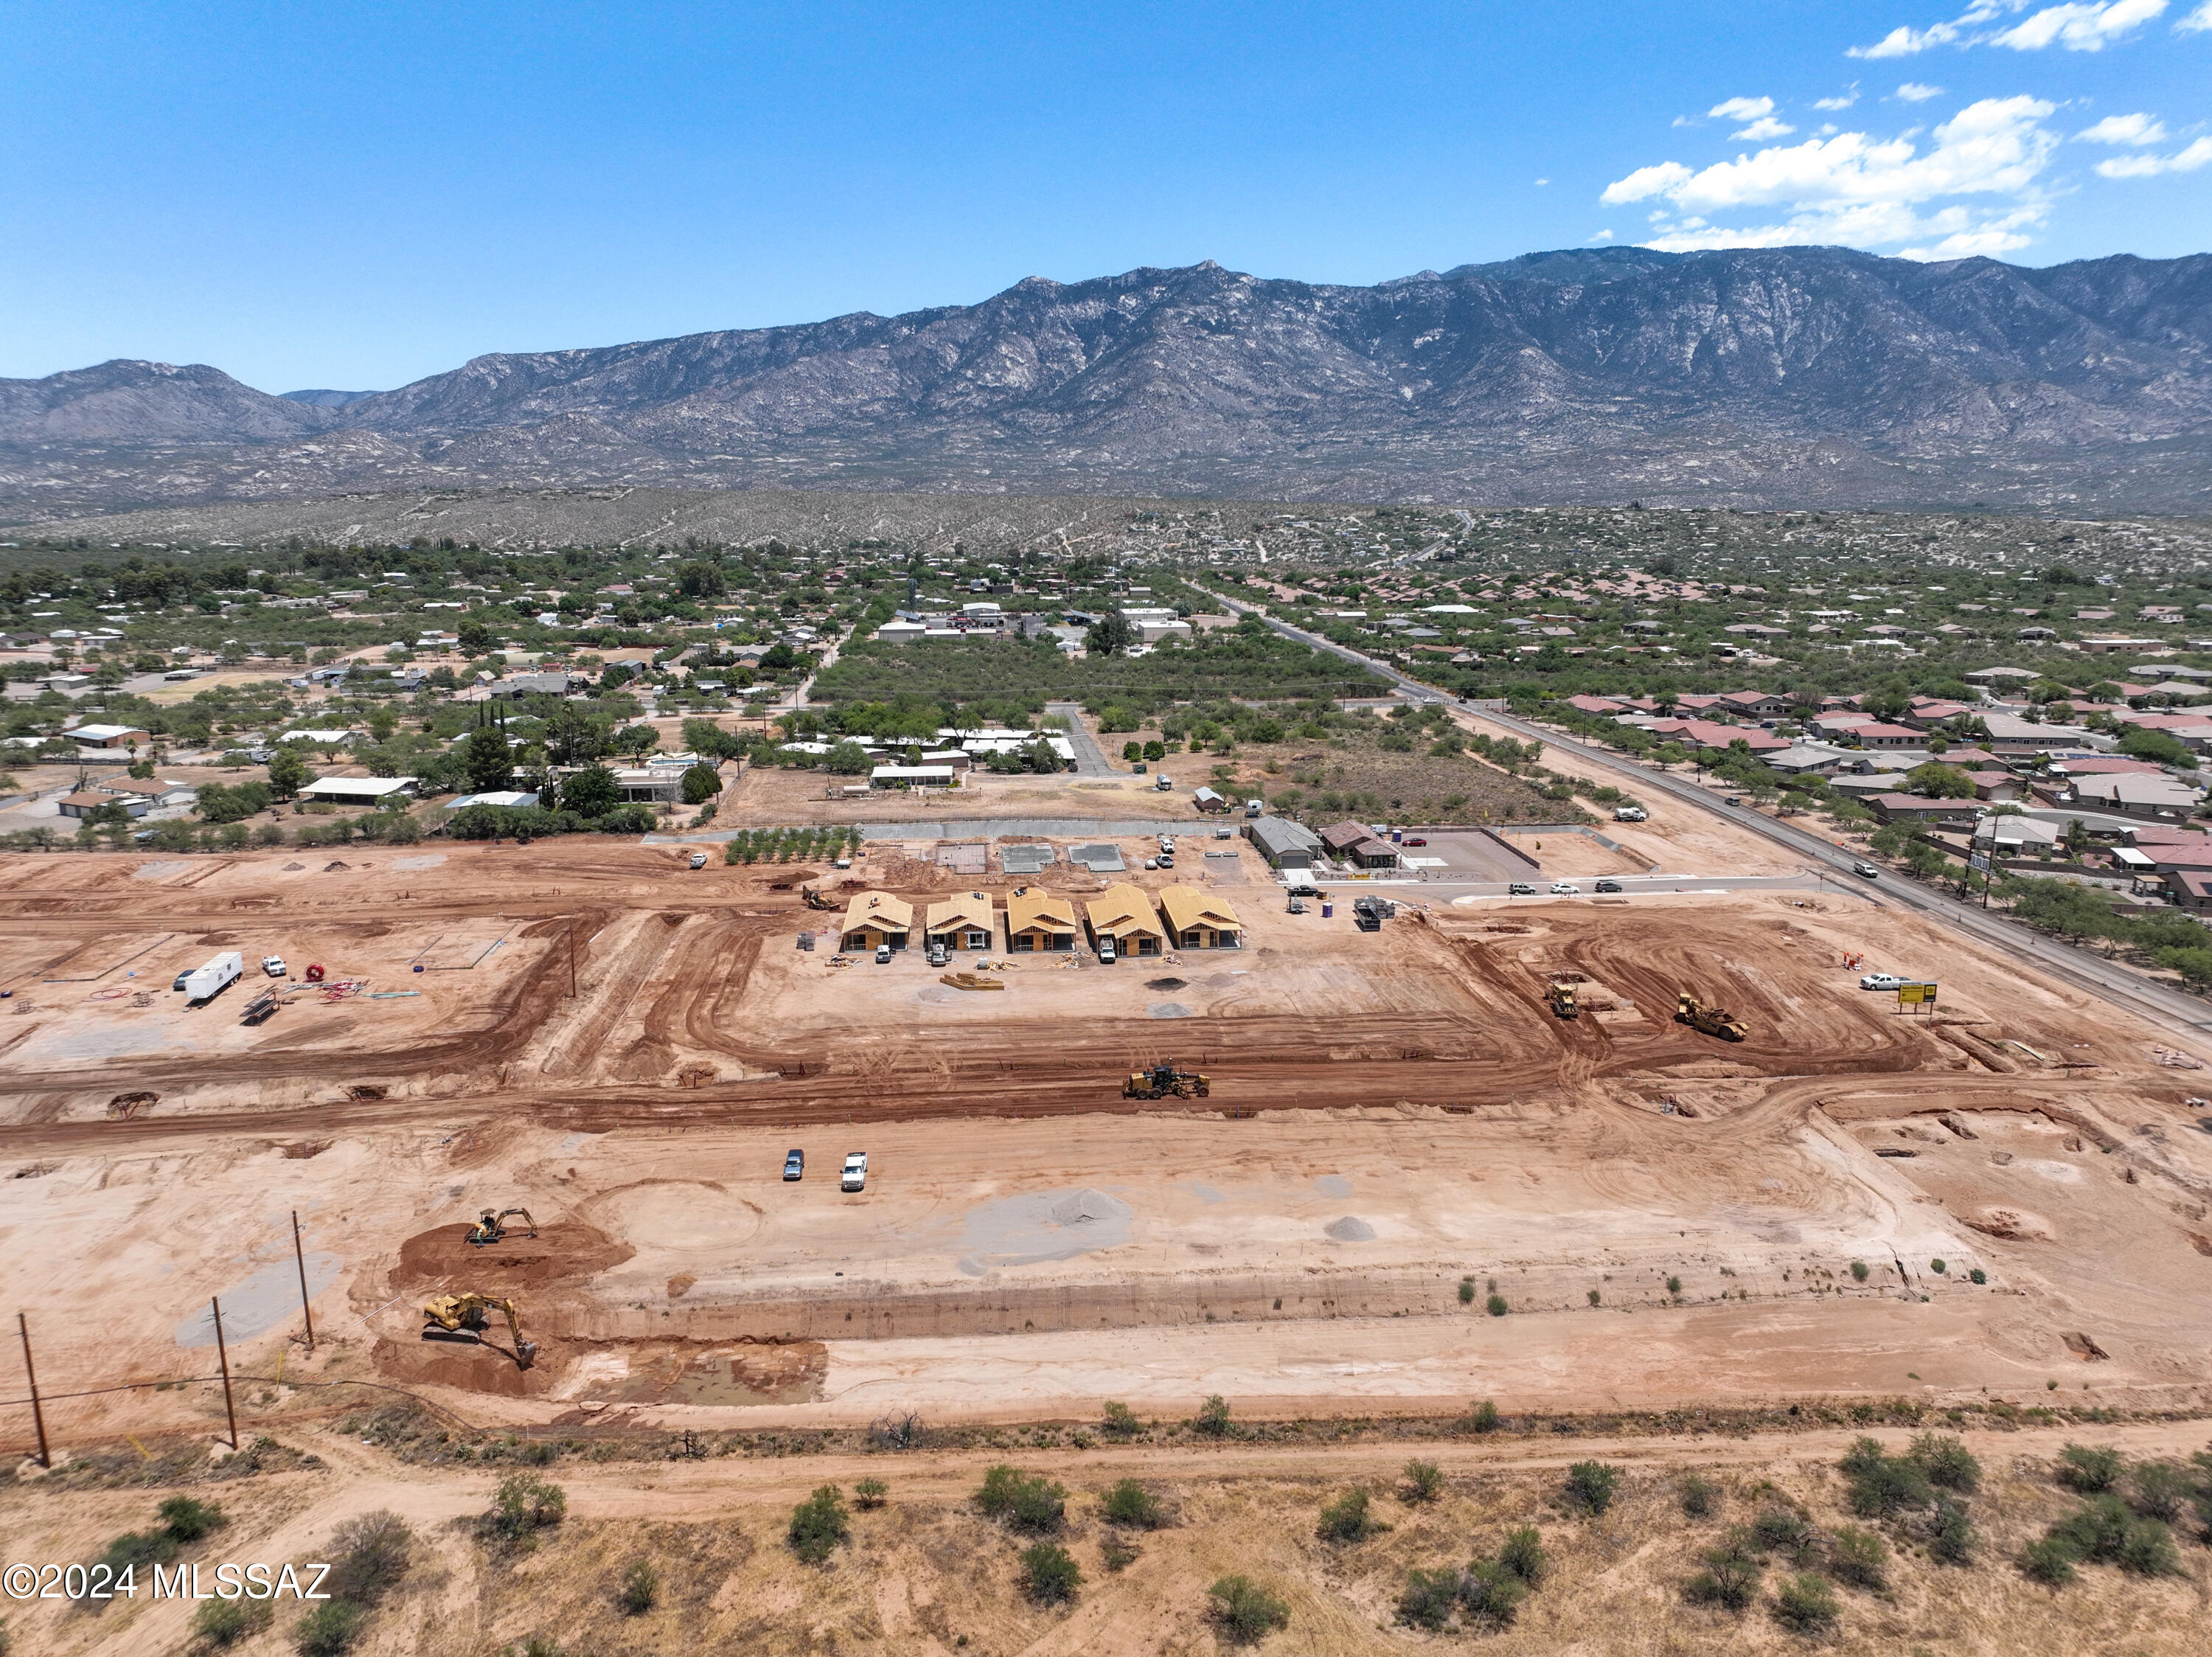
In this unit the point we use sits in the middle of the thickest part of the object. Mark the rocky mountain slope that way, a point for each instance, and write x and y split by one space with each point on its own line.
1755 377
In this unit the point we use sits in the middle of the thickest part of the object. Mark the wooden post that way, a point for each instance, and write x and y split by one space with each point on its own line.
38 1412
222 1357
301 1260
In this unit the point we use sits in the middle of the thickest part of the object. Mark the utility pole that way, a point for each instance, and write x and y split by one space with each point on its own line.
301 1260
38 1411
222 1357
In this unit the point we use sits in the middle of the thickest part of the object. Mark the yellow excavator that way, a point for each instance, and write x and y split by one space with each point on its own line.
454 1313
491 1227
1561 994
1164 1080
1710 1020
814 899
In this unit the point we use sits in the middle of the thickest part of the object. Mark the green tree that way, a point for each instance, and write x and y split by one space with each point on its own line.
1937 781
474 637
1109 635
701 580
849 758
288 772
2160 748
487 760
591 792
818 1524
701 783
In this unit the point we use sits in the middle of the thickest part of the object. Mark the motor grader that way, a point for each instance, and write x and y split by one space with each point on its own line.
1164 1080
491 1226
1708 1020
455 1313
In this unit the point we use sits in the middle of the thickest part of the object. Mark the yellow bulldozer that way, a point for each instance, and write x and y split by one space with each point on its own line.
491 1227
1561 994
1689 1010
454 1313
1164 1080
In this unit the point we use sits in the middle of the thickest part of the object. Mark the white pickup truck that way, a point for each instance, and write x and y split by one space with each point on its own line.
855 1177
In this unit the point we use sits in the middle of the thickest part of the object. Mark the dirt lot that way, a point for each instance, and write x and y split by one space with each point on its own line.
1389 1113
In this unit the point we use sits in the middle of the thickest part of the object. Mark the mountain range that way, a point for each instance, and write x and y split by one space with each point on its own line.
1786 376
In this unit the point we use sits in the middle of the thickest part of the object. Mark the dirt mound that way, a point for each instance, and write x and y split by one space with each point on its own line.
1165 984
2017 1224
463 1361
443 1258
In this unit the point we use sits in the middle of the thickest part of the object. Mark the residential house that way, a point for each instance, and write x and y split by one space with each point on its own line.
1355 844
1753 704
1802 758
1875 734
1910 807
2190 889
85 802
961 922
1208 801
874 919
1198 920
911 776
2123 795
1037 921
359 791
1285 844
655 785
2009 734
107 736
1124 914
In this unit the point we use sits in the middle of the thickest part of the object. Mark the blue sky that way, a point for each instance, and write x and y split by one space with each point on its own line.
311 194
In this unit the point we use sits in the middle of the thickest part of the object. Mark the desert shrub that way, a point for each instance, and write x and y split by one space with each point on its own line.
1784 1531
1883 1485
1244 1611
1212 1417
2103 1531
1120 1421
1466 1291
818 1524
1424 1481
1674 1286
1118 1552
2090 1472
1489 1593
2158 1489
1428 1597
869 1493
1858 1557
1731 1574
2148 1551
188 1520
523 1505
1049 1576
641 1589
1027 1502
1946 1462
1483 1419
134 1548
2048 1561
1859 1271
1699 1496
1952 1537
1130 1503
223 1622
330 1629
1591 1485
1806 1603
373 1551
1346 1518
1523 1555
1496 1305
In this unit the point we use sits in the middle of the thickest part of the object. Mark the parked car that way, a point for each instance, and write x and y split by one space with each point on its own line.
1302 890
882 954
1151 862
1106 952
1866 871
1297 906
794 1164
1167 860
1566 889
1885 981
1520 889
1415 840
1608 885
181 977
855 1177
698 860
273 965
1628 813
937 956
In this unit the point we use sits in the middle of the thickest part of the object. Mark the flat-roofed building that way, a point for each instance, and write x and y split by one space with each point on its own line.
1037 921
1124 914
962 922
1199 920
874 919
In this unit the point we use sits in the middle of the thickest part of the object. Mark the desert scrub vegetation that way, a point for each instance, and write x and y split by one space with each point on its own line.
1347 1518
1129 1503
818 1524
1024 1501
1048 1573
523 1506
1243 1611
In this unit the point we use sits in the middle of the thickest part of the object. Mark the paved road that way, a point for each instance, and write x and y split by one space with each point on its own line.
1090 758
2150 999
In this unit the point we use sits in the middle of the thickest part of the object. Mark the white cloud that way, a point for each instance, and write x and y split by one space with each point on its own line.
1763 128
1740 109
2143 166
2082 26
1543 181
2198 22
2136 130
1902 42
1865 191
1916 92
1602 235
1844 101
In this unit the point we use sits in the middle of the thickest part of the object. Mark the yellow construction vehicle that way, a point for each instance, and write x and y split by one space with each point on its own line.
1689 1010
1561 994
1164 1080
491 1227
454 1313
814 899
